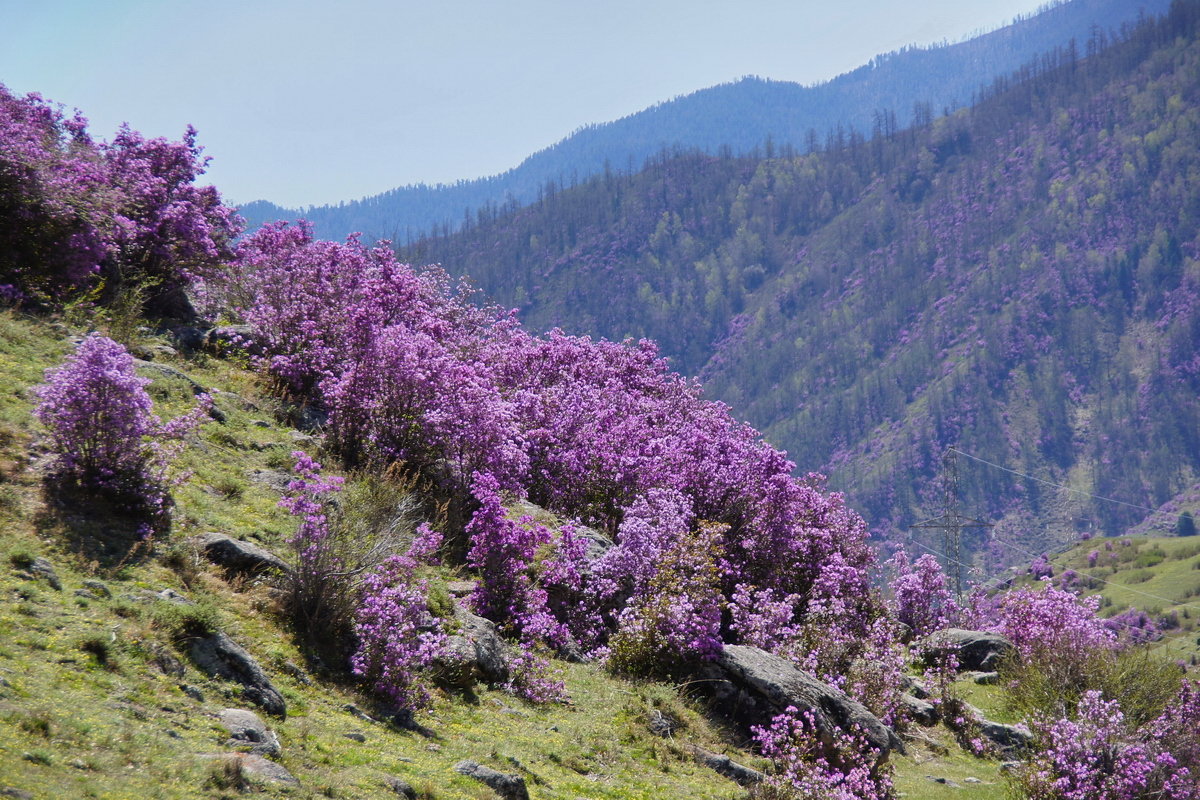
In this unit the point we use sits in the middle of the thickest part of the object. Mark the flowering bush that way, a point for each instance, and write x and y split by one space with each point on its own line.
1097 756
675 618
103 432
920 598
1052 623
74 212
398 637
805 769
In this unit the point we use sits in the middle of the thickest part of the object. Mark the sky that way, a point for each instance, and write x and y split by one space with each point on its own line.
306 103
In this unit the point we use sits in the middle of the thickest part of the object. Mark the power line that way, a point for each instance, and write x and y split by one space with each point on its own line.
1101 580
1154 511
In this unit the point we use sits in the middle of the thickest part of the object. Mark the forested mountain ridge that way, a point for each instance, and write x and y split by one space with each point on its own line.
1018 280
739 116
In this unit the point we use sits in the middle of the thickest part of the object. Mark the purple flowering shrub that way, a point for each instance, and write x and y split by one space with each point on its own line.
1097 754
806 769
74 212
398 636
1052 624
104 434
920 598
675 618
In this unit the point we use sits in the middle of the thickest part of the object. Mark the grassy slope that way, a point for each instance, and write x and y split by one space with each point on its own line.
1158 575
72 726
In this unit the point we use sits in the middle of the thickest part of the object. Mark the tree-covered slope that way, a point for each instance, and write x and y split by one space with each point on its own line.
742 115
1017 280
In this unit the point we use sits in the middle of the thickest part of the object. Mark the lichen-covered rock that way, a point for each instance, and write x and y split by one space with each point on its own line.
242 558
220 656
475 653
509 787
247 730
751 687
724 765
975 650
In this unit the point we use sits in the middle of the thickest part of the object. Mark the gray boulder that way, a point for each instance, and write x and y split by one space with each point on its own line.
40 569
475 653
724 765
509 787
226 338
242 558
975 650
247 730
1011 739
220 656
922 712
751 687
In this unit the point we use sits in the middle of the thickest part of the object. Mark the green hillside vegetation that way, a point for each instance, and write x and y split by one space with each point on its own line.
1157 575
98 698
1017 279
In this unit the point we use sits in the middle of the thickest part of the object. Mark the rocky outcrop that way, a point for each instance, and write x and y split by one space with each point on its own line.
220 656
724 765
921 711
247 731
238 557
975 650
474 654
751 686
509 787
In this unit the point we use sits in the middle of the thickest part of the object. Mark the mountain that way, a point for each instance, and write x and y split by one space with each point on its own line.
891 91
1018 280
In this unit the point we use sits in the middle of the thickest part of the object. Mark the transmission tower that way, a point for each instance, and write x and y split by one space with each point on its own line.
952 523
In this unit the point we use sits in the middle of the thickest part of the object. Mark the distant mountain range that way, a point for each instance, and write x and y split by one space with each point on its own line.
1019 280
773 116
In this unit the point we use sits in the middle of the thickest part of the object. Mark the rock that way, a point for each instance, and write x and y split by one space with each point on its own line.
475 653
724 765
238 557
354 710
975 650
509 787
226 338
310 418
661 724
192 692
400 787
922 711
97 588
752 686
986 678
297 673
220 656
260 423
1007 767
167 663
19 794
461 588
171 596
247 729
355 736
972 780
188 338
1011 739
170 372
271 478
41 569
258 767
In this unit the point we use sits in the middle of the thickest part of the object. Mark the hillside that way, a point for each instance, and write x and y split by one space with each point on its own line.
525 566
741 116
1015 280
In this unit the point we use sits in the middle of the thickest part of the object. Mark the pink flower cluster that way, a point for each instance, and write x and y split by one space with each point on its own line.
1098 755
74 210
104 433
412 371
806 770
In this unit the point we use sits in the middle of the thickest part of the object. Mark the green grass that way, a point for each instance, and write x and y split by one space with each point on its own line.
1159 575
87 710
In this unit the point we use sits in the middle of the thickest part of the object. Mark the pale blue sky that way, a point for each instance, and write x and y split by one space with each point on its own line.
309 103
